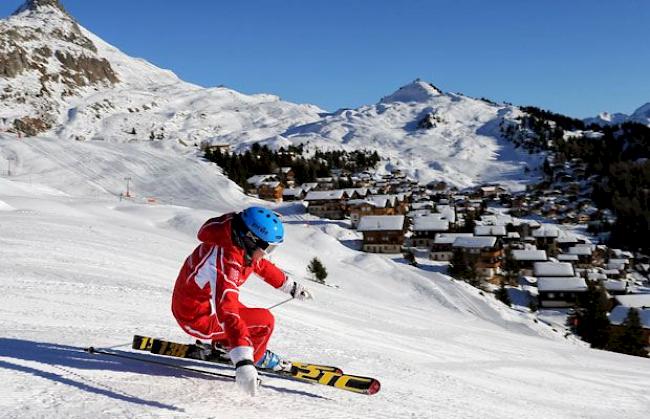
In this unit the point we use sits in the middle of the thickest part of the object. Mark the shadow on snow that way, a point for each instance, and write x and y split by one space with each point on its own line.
63 356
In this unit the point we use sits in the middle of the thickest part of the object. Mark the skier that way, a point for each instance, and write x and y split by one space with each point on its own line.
206 303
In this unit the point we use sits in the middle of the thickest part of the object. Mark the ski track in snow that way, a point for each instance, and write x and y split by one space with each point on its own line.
79 268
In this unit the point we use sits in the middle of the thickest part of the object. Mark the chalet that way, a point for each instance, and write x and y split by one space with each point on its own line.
490 230
325 183
308 186
491 191
619 264
215 148
557 292
566 241
615 286
557 284
422 205
564 257
426 227
584 253
448 213
442 247
270 191
553 269
382 233
327 204
524 260
546 235
294 194
371 205
633 300
357 193
287 176
484 252
511 238
254 182
619 314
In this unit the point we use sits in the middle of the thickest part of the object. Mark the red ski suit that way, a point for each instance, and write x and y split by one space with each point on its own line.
206 303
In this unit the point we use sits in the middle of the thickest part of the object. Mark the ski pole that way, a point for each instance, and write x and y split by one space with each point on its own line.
92 350
280 303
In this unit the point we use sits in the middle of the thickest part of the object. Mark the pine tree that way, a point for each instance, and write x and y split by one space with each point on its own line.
458 267
593 324
318 270
629 340
410 258
502 294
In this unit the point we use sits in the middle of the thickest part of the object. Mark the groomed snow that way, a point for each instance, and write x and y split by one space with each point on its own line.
79 267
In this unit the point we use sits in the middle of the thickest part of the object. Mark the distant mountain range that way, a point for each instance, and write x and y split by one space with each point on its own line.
59 80
641 116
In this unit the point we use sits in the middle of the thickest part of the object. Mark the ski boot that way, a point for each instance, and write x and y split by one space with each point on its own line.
270 361
212 352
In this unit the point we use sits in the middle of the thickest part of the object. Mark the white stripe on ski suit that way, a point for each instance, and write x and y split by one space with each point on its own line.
207 273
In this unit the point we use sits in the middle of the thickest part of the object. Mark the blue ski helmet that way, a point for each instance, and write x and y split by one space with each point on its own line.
264 224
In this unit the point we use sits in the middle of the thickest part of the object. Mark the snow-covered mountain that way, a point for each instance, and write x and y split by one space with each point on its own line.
434 135
58 78
641 116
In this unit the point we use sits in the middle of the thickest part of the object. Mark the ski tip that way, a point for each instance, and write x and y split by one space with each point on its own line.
374 388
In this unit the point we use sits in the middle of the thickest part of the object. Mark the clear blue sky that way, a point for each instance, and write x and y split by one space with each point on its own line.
576 57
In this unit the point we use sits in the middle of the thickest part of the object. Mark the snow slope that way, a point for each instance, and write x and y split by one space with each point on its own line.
79 267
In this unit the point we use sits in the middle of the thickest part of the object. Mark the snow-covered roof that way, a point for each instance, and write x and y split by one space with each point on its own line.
485 230
325 195
559 269
475 242
360 191
381 223
273 184
293 191
634 300
529 255
567 258
615 285
620 313
581 250
259 179
560 283
421 205
430 223
449 238
448 212
546 230
615 265
497 219
567 238
622 254
307 186
596 276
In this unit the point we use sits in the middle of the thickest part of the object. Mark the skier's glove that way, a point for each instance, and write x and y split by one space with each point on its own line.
245 373
297 290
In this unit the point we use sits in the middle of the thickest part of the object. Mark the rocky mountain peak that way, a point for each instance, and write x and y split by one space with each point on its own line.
36 5
45 58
